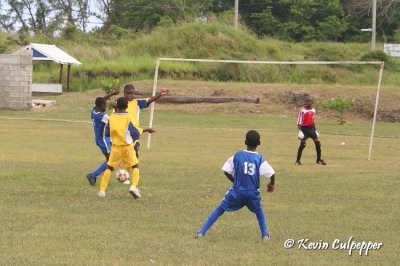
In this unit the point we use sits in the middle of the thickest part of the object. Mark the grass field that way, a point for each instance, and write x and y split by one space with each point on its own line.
51 216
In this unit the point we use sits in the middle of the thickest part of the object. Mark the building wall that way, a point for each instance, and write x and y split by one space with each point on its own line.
16 80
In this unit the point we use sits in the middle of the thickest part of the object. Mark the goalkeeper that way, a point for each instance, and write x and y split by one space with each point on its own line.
307 129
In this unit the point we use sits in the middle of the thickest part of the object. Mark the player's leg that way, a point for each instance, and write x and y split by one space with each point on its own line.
212 218
104 181
300 151
318 151
134 190
131 159
254 205
231 202
92 176
135 175
113 161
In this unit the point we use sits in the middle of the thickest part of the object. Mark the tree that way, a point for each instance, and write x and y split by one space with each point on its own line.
331 28
360 13
296 20
146 14
44 16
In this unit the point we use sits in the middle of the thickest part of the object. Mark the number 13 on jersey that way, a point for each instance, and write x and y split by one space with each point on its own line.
249 168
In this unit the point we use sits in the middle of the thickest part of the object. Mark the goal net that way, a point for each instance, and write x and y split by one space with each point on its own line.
380 63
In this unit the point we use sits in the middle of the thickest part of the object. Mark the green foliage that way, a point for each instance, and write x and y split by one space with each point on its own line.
379 55
108 85
396 36
324 52
339 105
165 21
117 32
300 20
3 43
71 32
375 55
265 23
294 31
331 28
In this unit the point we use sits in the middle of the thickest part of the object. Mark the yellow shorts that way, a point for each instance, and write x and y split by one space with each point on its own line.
124 155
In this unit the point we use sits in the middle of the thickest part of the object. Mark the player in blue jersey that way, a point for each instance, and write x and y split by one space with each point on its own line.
100 120
244 170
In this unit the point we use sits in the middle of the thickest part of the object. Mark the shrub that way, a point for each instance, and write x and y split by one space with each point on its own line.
375 55
117 32
339 105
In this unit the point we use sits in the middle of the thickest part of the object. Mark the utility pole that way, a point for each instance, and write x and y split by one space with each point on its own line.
236 18
373 35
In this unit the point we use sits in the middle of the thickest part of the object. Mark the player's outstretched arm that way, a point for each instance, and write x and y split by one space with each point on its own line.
111 93
158 95
229 176
149 130
271 185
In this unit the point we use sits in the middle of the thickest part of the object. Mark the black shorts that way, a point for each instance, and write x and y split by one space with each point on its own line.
309 132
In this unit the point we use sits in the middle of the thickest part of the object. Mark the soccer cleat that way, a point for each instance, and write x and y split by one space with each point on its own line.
267 237
101 194
198 235
91 179
126 182
322 162
134 191
298 163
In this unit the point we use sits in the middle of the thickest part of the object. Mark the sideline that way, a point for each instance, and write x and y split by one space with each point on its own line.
200 128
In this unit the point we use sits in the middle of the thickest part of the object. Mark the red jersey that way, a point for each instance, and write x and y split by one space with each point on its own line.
306 117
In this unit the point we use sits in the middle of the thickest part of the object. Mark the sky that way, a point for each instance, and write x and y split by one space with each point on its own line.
92 23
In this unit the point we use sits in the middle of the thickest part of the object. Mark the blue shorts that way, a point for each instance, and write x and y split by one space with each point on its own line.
104 145
236 199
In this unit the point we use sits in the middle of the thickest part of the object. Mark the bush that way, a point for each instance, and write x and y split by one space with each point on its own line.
117 32
375 56
339 105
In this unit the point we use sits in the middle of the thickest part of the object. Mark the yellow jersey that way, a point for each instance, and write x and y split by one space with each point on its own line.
121 130
133 109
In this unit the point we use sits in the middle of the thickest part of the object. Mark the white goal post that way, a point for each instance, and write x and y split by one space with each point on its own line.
381 63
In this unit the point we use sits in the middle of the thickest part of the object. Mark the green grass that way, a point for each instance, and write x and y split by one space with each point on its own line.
51 216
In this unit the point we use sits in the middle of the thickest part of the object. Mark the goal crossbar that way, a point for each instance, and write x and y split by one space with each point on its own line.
381 63
273 62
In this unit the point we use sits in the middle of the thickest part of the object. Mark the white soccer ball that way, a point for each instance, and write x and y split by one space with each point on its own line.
122 175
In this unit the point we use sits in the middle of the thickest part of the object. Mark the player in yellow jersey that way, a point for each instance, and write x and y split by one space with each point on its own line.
135 105
122 133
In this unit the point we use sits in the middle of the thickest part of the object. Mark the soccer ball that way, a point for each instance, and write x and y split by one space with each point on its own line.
122 175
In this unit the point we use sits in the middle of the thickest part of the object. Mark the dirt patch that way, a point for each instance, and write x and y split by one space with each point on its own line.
283 99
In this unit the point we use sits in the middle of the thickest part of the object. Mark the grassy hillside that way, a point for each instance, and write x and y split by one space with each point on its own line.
127 56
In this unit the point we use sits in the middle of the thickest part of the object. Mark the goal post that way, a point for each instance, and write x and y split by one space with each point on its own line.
381 63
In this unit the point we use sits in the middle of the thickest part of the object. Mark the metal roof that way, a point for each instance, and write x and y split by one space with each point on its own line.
50 53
